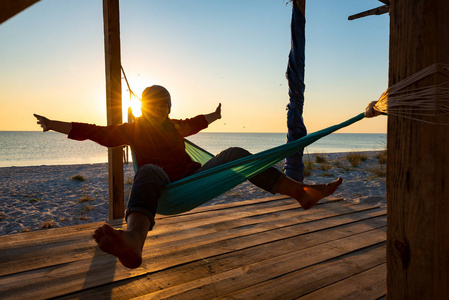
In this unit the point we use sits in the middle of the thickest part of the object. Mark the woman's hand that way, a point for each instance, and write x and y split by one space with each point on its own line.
214 116
43 121
218 111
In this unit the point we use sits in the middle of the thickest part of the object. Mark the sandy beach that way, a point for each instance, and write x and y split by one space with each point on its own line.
42 197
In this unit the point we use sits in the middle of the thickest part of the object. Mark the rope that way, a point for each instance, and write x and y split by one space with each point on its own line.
395 100
131 93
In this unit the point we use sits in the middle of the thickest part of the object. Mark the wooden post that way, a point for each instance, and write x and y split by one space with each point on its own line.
418 158
113 104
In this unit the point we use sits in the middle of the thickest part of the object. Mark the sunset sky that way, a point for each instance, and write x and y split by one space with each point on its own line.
204 52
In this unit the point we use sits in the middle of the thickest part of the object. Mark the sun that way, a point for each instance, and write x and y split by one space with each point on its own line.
137 84
130 105
135 106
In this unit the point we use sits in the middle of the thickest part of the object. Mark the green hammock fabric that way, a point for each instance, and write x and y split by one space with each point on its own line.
192 191
196 153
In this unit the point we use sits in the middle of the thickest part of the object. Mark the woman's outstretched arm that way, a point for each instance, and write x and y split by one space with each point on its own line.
58 126
214 116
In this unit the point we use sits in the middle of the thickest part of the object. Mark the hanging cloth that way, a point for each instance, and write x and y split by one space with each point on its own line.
192 191
294 166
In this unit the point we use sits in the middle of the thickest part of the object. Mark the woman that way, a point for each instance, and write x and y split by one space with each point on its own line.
158 144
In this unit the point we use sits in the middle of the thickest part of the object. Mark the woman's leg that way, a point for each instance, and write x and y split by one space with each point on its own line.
146 191
267 180
127 244
274 181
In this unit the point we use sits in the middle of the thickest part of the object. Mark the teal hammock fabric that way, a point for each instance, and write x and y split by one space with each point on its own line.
185 194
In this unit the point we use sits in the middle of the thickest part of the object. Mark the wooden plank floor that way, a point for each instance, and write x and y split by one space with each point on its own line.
264 248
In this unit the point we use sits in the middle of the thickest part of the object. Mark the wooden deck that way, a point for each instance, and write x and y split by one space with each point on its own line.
265 248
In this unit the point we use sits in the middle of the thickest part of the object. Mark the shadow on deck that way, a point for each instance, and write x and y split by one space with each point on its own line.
264 248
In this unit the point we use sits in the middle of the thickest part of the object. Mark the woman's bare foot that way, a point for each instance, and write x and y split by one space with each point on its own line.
125 245
309 195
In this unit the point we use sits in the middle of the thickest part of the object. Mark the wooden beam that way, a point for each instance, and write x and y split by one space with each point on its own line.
376 11
418 157
113 104
10 8
386 2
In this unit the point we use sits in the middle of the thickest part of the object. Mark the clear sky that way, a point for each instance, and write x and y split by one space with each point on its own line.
204 52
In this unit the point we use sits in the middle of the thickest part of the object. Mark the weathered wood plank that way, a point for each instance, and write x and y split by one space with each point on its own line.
247 275
370 284
202 270
205 215
315 277
55 237
180 237
101 269
18 260
201 209
40 237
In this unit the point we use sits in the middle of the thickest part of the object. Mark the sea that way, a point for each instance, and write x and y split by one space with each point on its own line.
36 148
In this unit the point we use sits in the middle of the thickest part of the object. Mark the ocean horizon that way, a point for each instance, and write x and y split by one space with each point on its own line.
35 148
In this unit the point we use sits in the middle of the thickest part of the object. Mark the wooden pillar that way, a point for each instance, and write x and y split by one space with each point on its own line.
418 158
113 104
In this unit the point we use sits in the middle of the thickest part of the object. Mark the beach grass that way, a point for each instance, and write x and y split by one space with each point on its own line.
382 157
85 198
379 171
308 166
327 174
47 224
88 208
337 164
235 194
324 166
320 158
78 178
355 158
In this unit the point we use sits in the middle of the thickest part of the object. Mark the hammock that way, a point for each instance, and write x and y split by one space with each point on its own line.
187 193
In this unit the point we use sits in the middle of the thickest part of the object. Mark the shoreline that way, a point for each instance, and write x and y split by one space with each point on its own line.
41 197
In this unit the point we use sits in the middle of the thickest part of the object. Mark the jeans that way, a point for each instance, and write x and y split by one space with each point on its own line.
150 180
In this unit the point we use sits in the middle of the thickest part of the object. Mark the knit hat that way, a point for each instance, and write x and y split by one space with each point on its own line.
156 93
